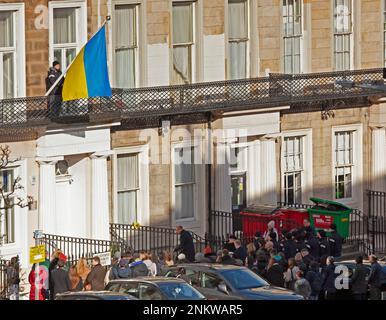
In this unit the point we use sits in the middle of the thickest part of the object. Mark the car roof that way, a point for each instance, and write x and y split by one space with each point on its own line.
213 266
149 279
91 293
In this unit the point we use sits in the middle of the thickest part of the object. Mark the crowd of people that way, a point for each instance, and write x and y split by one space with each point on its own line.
301 260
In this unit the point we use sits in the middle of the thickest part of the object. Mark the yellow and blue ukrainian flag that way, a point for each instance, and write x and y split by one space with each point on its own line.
88 76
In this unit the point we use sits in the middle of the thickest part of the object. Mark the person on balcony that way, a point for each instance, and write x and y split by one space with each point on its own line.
55 96
186 245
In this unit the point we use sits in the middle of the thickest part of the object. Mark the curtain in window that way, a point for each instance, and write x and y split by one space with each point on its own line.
128 185
237 17
64 25
237 60
184 206
125 44
8 75
182 41
184 182
6 29
9 225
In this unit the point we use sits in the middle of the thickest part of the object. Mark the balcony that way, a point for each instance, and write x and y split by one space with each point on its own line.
135 105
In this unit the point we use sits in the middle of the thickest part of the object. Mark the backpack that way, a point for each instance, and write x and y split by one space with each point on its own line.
316 281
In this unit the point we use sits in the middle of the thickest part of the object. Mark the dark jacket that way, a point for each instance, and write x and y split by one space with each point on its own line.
139 269
96 278
275 275
307 261
312 245
186 245
227 259
314 277
375 275
230 247
324 247
52 76
358 279
329 279
289 248
241 254
335 242
60 281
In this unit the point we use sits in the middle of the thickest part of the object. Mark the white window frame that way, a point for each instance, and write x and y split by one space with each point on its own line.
81 24
20 246
197 148
356 199
194 45
342 34
383 26
19 49
307 171
143 183
293 37
139 31
248 41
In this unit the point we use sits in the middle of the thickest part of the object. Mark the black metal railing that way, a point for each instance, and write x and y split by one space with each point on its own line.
277 89
377 220
3 279
152 239
75 248
244 226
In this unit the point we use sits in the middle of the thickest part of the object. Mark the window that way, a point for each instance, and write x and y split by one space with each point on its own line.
149 292
128 188
238 30
210 281
342 34
293 169
7 54
238 172
68 30
184 183
7 216
343 164
126 45
183 42
293 32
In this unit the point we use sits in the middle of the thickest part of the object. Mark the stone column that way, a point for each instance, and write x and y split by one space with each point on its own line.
378 159
268 171
100 216
47 194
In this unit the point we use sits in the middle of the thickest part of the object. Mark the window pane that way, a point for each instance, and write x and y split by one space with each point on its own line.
237 19
125 68
9 75
184 207
127 207
6 29
182 23
128 172
125 22
64 25
70 55
58 56
237 60
182 65
10 225
184 165
6 180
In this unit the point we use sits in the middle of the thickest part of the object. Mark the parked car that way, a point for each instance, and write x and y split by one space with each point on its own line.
155 288
346 294
228 281
93 295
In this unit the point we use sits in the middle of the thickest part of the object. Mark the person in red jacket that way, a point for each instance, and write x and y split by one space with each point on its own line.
43 274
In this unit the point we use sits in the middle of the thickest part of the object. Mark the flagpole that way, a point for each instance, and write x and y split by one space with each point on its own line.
108 18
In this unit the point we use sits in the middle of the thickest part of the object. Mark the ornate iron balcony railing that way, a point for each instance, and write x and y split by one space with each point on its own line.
275 90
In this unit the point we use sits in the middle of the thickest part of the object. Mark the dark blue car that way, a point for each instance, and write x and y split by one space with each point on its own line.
225 281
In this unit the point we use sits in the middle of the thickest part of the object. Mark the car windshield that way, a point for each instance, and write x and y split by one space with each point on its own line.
243 279
180 291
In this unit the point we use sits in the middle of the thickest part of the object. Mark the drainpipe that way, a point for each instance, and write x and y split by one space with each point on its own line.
99 14
209 171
